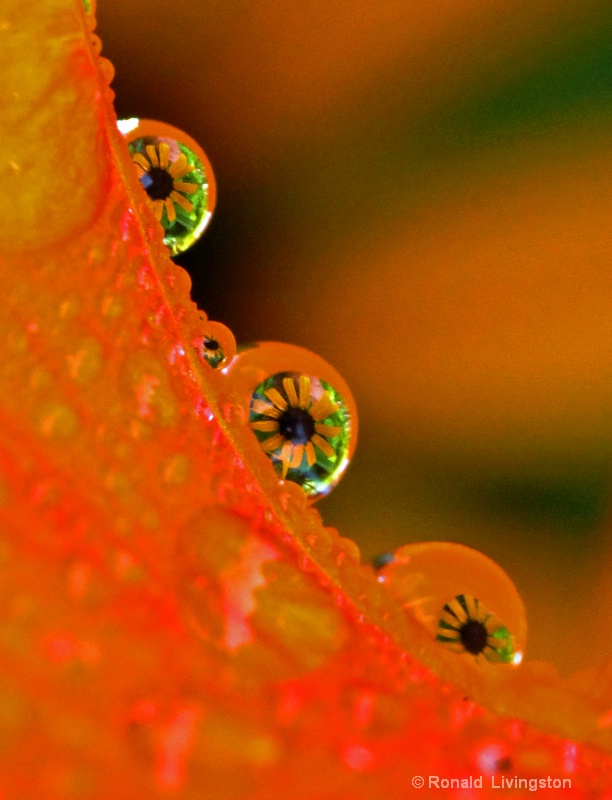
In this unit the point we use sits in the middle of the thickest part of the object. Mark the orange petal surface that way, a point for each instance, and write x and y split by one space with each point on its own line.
175 622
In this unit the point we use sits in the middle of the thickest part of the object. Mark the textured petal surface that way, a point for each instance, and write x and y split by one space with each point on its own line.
174 623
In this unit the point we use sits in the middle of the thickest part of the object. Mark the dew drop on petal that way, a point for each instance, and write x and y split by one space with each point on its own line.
464 599
304 427
177 177
216 345
57 421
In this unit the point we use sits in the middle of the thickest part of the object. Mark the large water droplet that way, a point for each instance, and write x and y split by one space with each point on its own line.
177 176
301 411
464 599
303 425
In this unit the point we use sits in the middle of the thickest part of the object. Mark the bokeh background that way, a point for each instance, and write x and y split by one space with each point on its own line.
420 192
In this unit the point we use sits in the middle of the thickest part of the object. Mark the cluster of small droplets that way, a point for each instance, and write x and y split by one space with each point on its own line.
308 418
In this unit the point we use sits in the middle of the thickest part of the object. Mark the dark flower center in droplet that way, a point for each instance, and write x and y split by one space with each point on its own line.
296 425
211 344
474 636
158 183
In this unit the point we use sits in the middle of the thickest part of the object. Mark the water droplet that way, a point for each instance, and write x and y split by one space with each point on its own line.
178 179
347 551
292 499
107 69
177 352
303 426
203 409
69 307
464 599
301 412
57 421
359 758
85 363
176 469
234 413
217 345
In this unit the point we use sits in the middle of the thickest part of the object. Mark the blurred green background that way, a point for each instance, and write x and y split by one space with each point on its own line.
420 192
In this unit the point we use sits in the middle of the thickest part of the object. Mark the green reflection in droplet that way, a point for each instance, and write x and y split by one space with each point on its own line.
175 180
304 426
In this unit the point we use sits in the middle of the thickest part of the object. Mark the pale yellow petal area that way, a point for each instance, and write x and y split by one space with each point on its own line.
180 167
311 456
323 445
152 153
289 387
170 209
139 159
164 154
265 425
186 188
182 201
323 408
273 443
328 430
296 459
276 397
304 384
261 407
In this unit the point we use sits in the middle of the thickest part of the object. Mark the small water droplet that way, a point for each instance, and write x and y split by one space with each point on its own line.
111 306
145 278
234 413
176 469
464 599
176 353
348 552
203 409
108 70
359 758
69 307
216 345
85 362
292 499
57 421
127 221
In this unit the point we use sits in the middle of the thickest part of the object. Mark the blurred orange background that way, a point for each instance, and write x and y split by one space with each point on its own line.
420 192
